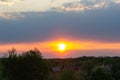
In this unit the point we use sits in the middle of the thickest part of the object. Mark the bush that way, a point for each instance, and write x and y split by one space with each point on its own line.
67 75
27 66
100 74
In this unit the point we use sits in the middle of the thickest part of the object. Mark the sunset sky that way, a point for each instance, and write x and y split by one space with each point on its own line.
86 27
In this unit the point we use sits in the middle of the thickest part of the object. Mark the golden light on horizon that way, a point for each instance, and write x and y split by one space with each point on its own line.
62 47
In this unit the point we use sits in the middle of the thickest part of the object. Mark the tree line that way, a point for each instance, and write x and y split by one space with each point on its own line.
31 65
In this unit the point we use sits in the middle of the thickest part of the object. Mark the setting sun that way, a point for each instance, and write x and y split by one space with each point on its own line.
61 46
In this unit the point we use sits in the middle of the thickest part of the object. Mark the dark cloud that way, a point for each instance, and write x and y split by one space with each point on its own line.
99 25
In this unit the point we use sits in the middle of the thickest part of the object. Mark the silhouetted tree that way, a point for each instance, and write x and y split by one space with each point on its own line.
27 66
116 69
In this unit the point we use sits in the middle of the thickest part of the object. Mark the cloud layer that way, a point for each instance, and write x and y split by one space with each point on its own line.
97 25
54 5
81 5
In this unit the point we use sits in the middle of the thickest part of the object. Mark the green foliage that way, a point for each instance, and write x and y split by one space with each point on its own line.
100 74
1 72
27 66
67 75
82 75
116 69
30 65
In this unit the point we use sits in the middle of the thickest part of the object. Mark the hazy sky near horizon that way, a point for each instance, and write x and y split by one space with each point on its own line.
91 27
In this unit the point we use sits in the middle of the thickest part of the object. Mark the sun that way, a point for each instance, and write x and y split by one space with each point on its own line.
62 47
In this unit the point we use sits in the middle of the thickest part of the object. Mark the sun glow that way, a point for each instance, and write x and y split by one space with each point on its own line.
62 47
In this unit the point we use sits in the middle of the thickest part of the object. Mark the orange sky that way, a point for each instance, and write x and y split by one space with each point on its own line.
50 49
51 46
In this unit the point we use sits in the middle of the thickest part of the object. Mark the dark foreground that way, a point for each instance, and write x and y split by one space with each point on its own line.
31 65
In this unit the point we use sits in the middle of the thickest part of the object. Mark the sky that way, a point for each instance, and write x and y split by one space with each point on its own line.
87 27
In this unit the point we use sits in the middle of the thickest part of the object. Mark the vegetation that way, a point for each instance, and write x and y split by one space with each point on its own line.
27 66
67 75
31 65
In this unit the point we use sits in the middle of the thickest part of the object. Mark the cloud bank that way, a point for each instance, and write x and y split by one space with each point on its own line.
97 25
11 16
54 5
81 5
